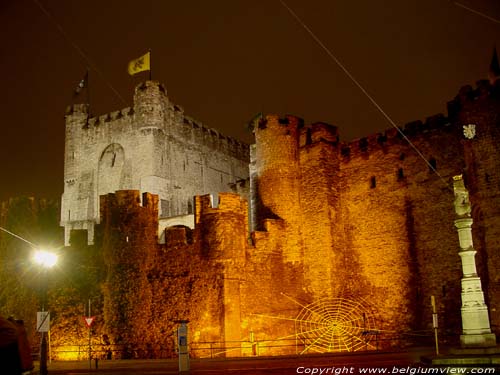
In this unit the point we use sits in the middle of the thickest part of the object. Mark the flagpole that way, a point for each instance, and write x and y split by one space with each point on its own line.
150 66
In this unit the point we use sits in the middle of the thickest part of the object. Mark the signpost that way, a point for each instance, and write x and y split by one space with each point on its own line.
435 322
182 342
88 322
43 321
43 326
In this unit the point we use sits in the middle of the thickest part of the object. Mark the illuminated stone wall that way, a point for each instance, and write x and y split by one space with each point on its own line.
152 147
392 204
371 220
367 221
148 286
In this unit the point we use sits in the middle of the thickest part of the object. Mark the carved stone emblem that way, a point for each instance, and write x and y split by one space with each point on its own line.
469 131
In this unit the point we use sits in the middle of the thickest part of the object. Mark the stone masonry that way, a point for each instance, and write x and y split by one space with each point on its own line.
153 147
367 221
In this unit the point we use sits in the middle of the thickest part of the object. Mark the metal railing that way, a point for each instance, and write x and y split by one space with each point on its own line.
373 341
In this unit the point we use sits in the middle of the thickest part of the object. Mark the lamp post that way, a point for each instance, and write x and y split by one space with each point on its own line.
45 260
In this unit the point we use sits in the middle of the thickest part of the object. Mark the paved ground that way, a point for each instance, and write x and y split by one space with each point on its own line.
357 363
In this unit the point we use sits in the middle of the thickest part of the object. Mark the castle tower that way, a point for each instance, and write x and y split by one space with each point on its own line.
153 147
223 223
76 208
129 247
322 231
277 174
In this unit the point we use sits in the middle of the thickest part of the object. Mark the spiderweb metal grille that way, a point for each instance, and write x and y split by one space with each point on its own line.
335 324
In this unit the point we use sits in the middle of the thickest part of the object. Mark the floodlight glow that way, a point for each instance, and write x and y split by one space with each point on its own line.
45 258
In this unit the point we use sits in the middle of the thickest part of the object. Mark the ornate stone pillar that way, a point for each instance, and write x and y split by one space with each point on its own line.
475 321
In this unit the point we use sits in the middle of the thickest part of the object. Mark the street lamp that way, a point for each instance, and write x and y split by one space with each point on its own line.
46 260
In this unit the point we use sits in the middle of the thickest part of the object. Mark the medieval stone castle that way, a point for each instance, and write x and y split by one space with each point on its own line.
298 244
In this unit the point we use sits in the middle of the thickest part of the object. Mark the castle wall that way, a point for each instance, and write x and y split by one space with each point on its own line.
392 204
366 215
153 147
272 294
368 223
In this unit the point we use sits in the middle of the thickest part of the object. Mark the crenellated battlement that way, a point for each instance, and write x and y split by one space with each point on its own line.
468 96
151 86
218 203
195 131
273 121
77 109
181 126
319 132
221 222
83 110
392 136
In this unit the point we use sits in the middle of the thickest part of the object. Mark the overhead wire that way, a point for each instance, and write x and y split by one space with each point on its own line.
363 90
84 56
476 12
18 237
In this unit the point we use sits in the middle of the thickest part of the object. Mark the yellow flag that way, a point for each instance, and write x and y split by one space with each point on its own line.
139 65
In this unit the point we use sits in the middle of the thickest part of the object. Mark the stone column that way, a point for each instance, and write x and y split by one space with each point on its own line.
475 320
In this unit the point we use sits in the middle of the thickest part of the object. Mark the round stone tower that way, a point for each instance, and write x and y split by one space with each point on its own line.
150 104
277 175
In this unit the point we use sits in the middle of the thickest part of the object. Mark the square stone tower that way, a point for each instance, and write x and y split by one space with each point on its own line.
153 147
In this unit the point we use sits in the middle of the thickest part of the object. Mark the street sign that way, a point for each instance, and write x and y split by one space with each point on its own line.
88 320
42 321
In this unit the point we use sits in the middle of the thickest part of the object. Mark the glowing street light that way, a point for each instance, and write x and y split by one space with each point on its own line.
44 258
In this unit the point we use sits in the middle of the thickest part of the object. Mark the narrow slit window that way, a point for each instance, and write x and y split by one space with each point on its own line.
401 174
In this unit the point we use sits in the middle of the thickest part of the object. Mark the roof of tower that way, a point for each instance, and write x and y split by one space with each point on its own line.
494 73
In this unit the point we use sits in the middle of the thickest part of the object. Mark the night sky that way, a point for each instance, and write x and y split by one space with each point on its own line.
224 61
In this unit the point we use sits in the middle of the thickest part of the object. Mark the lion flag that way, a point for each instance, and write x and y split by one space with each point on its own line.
140 64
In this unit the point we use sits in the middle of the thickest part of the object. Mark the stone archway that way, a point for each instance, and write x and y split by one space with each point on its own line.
110 169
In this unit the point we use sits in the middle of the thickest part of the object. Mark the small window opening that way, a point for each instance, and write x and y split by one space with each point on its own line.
402 156
401 174
308 137
373 182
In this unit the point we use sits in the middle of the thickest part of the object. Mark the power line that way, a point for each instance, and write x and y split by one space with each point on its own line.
79 50
18 237
477 12
372 100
